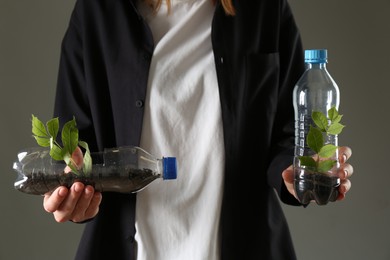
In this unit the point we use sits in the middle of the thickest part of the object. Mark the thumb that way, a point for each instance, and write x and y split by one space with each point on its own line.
78 157
77 160
288 175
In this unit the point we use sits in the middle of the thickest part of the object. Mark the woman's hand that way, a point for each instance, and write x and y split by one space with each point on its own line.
345 171
78 203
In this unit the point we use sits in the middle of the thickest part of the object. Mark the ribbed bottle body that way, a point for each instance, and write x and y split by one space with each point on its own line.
316 91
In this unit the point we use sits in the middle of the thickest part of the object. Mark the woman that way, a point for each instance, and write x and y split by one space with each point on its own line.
209 83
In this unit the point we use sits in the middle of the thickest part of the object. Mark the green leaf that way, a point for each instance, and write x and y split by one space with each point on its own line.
325 166
38 128
70 136
87 162
67 157
315 139
52 127
57 153
333 114
327 151
307 161
335 129
74 169
320 120
46 136
52 142
337 119
42 141
324 124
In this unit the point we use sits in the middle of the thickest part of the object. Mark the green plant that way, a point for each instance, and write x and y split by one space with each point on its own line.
323 160
46 136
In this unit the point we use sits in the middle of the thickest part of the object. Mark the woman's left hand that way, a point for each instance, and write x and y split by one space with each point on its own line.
345 171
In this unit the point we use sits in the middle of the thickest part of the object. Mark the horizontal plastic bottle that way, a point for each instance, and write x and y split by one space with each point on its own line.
314 91
124 169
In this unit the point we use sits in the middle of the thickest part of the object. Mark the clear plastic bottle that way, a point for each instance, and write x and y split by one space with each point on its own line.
314 91
125 170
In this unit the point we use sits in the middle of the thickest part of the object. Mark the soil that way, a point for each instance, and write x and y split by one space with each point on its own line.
130 181
316 186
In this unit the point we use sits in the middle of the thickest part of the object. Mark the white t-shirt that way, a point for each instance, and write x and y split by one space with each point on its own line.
179 219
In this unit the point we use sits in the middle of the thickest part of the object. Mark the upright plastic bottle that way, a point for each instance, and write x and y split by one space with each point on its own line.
314 91
125 170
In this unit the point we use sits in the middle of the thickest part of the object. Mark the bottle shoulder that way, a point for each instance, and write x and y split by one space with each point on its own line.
316 79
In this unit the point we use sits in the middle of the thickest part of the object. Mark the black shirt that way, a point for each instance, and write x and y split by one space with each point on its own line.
105 59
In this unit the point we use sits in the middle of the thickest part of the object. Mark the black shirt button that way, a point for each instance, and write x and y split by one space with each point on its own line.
139 103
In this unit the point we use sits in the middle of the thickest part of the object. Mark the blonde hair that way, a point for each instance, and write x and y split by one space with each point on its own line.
226 4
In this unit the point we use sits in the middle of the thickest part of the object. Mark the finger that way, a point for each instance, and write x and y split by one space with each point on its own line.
82 204
53 200
288 174
67 169
344 153
288 177
345 171
77 157
344 187
77 160
93 208
65 210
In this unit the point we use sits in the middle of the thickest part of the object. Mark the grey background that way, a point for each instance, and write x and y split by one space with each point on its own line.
356 34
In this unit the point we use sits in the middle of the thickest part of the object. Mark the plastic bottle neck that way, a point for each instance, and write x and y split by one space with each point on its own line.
315 65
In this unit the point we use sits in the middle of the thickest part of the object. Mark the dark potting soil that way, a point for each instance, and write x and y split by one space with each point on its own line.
316 186
130 181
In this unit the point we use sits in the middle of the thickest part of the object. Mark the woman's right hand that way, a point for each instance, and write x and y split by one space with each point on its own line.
78 203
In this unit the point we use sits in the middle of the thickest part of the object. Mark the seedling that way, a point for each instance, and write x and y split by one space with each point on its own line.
46 136
324 160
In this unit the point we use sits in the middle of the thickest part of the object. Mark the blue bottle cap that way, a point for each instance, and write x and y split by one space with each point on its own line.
316 56
169 168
